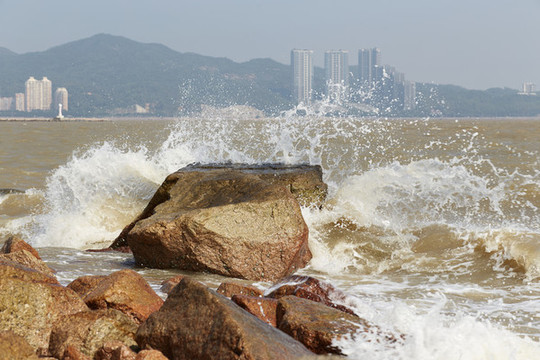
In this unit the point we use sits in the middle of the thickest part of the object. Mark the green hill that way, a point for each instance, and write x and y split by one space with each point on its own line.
107 75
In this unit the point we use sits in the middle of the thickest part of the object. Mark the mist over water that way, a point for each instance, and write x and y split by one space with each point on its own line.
432 224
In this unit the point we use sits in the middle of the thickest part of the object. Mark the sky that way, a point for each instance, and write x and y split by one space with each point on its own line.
477 44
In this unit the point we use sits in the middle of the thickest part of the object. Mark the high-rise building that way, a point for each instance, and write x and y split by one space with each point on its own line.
302 66
368 61
409 96
6 103
38 94
336 64
61 97
19 102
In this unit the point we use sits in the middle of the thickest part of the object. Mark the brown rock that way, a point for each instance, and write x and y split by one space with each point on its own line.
15 243
73 353
32 302
88 331
15 347
14 270
115 350
229 289
197 323
168 285
150 355
316 325
84 284
263 308
313 289
224 221
25 258
126 291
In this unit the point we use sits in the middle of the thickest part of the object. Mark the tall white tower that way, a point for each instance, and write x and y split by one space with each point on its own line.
302 65
336 64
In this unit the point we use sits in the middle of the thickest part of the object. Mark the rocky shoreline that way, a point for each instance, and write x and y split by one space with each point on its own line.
239 221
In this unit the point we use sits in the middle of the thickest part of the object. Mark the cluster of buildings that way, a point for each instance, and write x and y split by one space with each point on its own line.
37 96
372 83
528 88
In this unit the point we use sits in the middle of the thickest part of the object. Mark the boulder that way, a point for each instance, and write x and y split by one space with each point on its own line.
31 302
88 331
169 284
14 270
127 291
313 289
73 353
262 308
150 355
15 347
25 258
15 243
115 350
197 323
316 325
84 284
223 221
229 288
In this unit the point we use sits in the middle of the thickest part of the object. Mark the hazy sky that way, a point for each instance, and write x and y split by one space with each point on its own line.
477 44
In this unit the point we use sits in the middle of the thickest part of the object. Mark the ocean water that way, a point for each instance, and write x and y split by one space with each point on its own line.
431 225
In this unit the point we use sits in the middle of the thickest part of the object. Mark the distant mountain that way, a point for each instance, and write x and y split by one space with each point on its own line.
108 75
105 73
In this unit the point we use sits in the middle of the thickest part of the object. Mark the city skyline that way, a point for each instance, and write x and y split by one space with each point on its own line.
467 44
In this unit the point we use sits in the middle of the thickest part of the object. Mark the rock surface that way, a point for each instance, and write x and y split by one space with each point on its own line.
169 284
84 284
313 289
127 291
262 308
89 330
15 243
229 288
316 325
24 257
198 323
15 347
223 221
31 302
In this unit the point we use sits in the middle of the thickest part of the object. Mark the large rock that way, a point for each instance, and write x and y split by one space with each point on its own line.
85 284
316 325
310 288
127 291
26 258
15 347
31 302
197 323
15 243
88 331
224 221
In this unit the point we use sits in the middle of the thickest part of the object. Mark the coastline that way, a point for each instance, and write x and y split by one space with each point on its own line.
82 119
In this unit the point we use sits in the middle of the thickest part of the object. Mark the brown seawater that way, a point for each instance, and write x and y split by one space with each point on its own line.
432 225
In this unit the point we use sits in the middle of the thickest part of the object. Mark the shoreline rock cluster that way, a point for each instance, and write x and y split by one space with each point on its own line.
120 317
238 221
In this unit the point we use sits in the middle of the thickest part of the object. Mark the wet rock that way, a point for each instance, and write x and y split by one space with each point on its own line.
15 347
88 331
262 308
197 323
316 325
14 270
229 288
223 221
84 284
168 285
26 258
150 355
15 243
127 291
73 353
311 288
31 302
115 350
